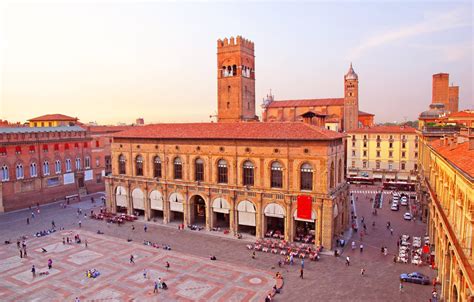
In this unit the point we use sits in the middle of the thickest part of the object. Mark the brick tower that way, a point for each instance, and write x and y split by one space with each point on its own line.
235 80
440 93
351 100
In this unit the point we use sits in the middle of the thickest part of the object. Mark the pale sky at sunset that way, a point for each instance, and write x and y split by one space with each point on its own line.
114 61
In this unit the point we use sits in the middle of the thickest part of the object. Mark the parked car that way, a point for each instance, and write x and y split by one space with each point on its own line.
415 277
404 201
394 207
407 216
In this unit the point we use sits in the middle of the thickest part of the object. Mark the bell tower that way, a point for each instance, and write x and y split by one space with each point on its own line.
351 100
235 80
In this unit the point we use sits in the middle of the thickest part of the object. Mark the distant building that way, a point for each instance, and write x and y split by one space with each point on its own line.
445 94
53 120
341 114
140 121
382 153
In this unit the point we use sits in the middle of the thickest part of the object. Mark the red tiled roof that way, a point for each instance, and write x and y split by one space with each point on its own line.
106 129
458 154
365 113
385 129
53 117
307 103
243 130
467 114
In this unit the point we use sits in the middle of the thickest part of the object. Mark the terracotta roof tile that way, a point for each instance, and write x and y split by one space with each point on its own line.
53 117
467 114
365 113
385 129
307 103
244 130
106 129
458 154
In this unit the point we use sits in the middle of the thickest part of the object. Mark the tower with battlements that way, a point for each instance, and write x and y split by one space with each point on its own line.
235 80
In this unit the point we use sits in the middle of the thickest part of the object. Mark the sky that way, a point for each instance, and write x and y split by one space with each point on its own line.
115 61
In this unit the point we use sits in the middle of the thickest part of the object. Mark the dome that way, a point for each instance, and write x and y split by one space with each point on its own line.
351 75
436 110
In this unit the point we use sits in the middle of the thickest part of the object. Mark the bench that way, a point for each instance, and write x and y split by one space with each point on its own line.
69 197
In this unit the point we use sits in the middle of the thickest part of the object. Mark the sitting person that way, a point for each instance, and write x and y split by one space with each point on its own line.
213 257
100 232
43 250
163 285
276 290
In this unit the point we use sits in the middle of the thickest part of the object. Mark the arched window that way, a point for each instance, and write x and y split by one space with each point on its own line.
222 171
276 176
5 174
178 168
19 171
139 165
68 165
341 171
87 162
57 166
78 163
248 172
306 177
157 167
122 164
46 168
331 176
199 169
33 170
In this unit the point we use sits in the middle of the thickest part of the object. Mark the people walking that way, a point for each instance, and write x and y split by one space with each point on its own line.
362 271
361 247
144 273
33 271
401 286
348 261
53 224
388 225
155 287
253 255
391 231
27 220
302 263
132 259
21 253
50 263
85 242
167 265
353 245
301 273
145 228
80 224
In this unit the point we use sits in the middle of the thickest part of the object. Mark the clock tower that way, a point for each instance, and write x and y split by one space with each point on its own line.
351 100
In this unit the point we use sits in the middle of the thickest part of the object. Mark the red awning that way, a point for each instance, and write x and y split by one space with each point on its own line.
3 150
85 144
56 146
304 207
32 148
66 146
18 149
45 147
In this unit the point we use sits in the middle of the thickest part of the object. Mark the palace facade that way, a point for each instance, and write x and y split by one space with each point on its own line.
239 174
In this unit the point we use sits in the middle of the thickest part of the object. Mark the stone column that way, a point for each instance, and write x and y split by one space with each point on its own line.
327 224
147 203
186 213
166 206
129 201
288 221
319 223
208 213
259 232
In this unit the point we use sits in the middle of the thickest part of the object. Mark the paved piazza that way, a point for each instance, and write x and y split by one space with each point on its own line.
192 276
189 278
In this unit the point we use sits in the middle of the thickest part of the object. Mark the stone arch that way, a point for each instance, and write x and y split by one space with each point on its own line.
138 199
273 209
156 200
220 205
246 212
176 201
121 196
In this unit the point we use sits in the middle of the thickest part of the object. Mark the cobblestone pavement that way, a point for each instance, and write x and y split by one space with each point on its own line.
328 280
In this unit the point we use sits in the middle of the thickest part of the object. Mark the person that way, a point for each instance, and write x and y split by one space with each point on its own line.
132 259
353 245
80 223
385 251
21 253
348 261
362 271
155 288
291 259
77 299
50 263
401 286
53 224
167 265
43 250
301 273
388 225
145 228
435 296
64 241
24 252
268 298
361 247
253 255
144 273
32 214
27 220
302 263
133 227
391 231
280 263
33 271
85 242
213 257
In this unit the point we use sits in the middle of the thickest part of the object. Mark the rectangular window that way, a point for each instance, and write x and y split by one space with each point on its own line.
97 144
365 152
416 167
403 145
199 173
403 153
390 145
222 173
276 178
364 164
178 171
18 150
378 144
390 153
353 153
416 154
390 165
378 153
377 164
248 176
353 143
402 166
365 144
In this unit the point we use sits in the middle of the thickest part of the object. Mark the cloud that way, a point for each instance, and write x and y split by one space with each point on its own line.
431 23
